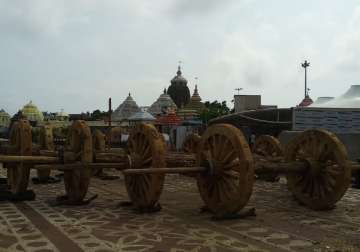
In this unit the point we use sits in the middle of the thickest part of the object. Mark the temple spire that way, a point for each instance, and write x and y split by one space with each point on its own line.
179 69
196 90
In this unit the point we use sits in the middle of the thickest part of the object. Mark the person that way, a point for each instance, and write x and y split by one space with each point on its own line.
252 140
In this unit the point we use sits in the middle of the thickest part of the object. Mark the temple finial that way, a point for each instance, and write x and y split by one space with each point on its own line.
179 69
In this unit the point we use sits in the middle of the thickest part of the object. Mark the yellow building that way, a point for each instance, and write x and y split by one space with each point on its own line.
32 113
4 119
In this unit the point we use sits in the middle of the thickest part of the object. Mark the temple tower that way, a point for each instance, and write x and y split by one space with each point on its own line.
178 90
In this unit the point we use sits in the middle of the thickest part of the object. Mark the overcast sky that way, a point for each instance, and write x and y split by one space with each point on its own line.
73 55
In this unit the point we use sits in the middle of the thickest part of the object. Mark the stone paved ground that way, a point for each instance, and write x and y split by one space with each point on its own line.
280 225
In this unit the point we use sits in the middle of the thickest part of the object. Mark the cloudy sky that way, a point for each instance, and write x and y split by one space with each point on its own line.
73 55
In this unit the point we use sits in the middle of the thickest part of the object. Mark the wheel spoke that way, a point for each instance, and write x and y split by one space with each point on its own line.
146 161
222 141
147 151
232 165
321 188
306 184
226 148
230 156
226 187
231 174
333 170
330 183
218 145
143 146
212 146
137 144
132 145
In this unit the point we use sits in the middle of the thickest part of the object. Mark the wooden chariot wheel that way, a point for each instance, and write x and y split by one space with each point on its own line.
113 137
46 143
21 144
329 173
77 180
99 144
227 187
147 149
191 143
99 140
267 147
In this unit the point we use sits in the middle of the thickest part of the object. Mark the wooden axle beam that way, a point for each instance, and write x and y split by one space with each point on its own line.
355 167
174 170
28 159
265 167
61 167
280 168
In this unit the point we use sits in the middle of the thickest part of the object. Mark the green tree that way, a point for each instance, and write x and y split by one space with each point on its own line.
98 115
213 110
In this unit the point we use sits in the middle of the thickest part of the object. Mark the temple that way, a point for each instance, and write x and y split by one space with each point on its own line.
178 90
307 101
31 112
141 117
162 104
125 109
195 102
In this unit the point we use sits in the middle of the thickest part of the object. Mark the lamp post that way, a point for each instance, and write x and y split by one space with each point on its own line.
110 112
305 65
238 89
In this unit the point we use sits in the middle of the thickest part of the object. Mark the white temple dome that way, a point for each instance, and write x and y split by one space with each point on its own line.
162 104
126 109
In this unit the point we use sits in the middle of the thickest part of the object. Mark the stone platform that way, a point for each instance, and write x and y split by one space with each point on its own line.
103 226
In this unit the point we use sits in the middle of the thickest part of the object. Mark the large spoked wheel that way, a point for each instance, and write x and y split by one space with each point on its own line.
146 149
21 144
329 173
46 143
99 141
113 137
267 147
99 144
227 187
77 181
191 143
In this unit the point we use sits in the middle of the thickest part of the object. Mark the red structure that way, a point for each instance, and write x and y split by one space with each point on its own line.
169 119
307 101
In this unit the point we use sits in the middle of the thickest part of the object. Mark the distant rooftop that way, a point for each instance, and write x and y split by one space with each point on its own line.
350 99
